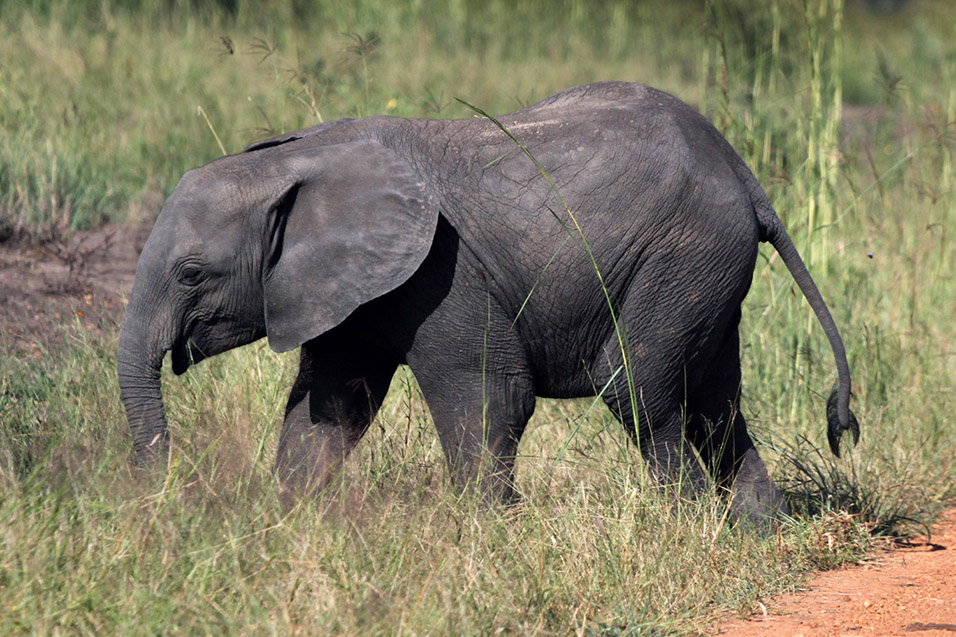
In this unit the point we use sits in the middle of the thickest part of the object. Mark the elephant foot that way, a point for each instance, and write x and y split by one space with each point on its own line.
756 502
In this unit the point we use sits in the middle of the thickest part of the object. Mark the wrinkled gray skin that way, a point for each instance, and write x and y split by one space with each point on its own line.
381 241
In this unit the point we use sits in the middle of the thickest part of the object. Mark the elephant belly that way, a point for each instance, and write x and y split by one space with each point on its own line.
561 365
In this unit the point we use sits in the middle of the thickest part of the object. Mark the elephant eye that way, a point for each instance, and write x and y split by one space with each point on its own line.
191 275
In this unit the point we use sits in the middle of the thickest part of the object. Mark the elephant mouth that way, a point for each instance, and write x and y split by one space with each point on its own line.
185 354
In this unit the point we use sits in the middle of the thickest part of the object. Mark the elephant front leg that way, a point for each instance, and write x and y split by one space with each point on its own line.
332 403
480 419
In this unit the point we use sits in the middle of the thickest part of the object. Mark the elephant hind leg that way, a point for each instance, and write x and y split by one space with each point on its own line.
653 417
730 455
648 400
719 431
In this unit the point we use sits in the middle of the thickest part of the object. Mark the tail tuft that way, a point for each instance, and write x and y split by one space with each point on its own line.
836 426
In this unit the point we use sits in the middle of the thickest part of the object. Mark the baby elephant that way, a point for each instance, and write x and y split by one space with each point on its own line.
616 266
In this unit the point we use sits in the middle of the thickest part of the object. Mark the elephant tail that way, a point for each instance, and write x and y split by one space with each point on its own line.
839 416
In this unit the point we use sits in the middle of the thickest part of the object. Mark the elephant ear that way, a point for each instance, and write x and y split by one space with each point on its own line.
355 223
291 137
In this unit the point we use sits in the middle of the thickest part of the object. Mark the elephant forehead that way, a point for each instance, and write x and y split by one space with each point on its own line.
180 232
228 180
206 205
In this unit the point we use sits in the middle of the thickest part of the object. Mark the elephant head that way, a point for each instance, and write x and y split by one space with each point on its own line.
284 241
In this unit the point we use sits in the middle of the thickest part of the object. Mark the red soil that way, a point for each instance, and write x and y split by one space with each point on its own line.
909 590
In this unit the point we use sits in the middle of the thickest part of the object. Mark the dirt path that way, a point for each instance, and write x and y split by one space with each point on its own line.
910 590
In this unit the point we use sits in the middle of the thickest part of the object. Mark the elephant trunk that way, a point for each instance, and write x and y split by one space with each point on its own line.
139 363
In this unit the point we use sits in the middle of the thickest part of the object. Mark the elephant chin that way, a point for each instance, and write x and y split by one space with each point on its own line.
184 355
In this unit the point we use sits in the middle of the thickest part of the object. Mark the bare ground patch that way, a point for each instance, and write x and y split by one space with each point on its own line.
85 278
909 590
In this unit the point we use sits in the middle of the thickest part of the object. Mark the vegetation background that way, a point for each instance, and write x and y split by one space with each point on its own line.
846 113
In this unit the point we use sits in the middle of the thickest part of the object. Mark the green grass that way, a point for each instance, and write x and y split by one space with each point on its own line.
90 545
99 113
